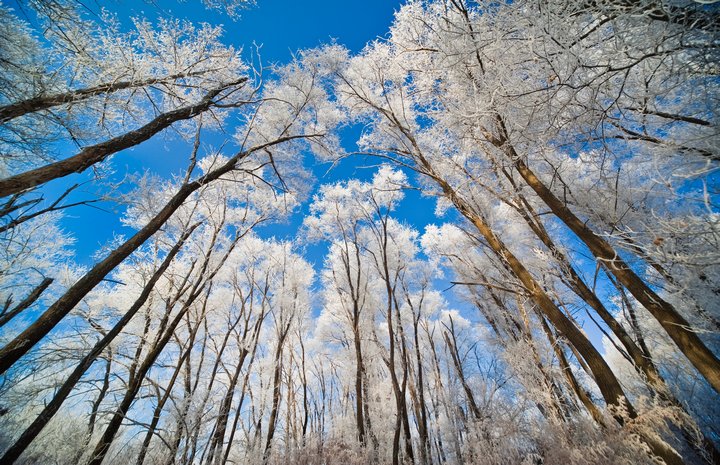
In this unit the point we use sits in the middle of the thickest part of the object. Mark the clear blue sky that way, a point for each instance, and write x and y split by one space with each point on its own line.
280 26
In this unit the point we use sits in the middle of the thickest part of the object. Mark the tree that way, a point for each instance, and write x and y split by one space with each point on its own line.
416 92
105 90
282 120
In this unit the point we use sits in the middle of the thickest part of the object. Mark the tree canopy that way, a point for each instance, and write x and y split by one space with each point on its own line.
561 307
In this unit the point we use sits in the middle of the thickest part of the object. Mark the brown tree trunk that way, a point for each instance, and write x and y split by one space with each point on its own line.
21 344
607 382
403 387
101 396
676 326
165 333
276 392
45 102
438 386
64 391
243 391
451 343
134 384
303 377
163 400
401 412
579 391
420 407
638 356
99 152
218 437
203 282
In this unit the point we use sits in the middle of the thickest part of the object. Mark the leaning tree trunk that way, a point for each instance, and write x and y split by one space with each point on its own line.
676 326
31 432
99 152
26 340
276 392
103 444
45 102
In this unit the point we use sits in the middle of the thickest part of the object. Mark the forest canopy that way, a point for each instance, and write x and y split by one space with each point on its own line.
491 235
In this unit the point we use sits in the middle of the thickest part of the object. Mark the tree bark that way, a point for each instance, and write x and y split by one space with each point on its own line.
103 445
99 152
676 326
45 102
163 400
607 382
639 357
276 392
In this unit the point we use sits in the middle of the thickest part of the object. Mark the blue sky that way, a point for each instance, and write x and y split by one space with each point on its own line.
280 26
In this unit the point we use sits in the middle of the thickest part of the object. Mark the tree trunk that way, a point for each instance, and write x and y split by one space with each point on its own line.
25 341
162 401
99 152
218 437
276 392
638 356
676 326
421 408
64 391
134 384
579 391
607 382
45 102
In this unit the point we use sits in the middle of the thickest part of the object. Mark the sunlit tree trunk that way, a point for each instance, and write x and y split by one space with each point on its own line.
676 326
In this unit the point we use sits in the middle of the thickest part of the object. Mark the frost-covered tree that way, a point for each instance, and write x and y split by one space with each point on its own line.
287 119
475 99
566 312
233 191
